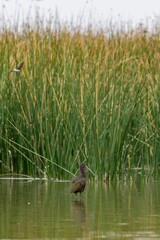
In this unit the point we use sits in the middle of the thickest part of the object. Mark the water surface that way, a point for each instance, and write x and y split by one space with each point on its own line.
47 210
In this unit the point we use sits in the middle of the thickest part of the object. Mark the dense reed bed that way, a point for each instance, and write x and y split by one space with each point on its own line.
80 97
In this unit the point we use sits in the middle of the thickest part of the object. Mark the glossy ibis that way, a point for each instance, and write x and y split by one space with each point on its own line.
78 183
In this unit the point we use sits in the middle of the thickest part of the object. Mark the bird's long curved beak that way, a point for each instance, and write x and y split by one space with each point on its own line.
90 171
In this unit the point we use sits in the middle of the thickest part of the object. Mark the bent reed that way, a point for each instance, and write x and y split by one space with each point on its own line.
80 97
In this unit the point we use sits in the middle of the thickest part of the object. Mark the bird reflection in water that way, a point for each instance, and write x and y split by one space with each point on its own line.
78 210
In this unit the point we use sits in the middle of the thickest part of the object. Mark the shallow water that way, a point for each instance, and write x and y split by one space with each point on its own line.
47 210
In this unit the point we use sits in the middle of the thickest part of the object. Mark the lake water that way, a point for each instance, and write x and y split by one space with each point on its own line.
47 210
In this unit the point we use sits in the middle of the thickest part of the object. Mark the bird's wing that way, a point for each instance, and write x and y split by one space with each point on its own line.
75 187
78 185
19 66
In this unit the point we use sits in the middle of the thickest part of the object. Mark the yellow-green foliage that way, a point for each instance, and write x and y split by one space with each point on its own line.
90 97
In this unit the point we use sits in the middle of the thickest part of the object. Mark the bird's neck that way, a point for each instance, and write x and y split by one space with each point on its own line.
83 174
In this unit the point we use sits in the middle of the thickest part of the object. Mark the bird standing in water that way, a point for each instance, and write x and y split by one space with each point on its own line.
78 183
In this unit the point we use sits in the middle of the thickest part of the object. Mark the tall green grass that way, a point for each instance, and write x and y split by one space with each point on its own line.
81 97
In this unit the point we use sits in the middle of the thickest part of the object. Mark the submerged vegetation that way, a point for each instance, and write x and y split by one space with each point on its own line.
80 97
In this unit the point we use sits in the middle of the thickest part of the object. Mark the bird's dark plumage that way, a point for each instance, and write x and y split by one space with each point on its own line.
78 183
19 66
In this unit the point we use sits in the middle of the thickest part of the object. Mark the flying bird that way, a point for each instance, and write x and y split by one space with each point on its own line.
18 68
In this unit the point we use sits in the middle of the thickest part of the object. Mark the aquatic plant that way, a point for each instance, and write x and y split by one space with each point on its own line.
80 97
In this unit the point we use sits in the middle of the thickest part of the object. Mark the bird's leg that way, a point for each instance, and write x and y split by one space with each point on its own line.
80 196
76 196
